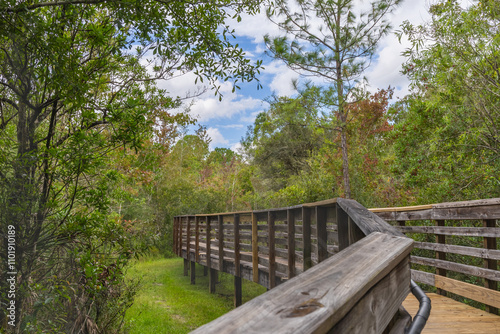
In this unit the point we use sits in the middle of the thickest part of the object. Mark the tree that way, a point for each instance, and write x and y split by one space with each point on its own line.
284 137
452 120
77 80
455 59
337 50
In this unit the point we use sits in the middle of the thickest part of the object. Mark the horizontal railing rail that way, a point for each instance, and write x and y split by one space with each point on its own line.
329 264
456 248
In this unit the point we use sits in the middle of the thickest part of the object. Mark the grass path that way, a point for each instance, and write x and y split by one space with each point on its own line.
168 303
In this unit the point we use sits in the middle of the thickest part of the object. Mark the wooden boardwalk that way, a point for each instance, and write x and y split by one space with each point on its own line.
450 316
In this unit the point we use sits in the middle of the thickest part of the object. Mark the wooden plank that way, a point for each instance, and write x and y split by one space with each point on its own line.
197 239
440 239
306 238
492 232
220 236
379 305
343 228
186 267
208 232
193 272
237 291
468 290
212 280
291 243
402 208
367 221
321 234
491 245
237 254
451 317
423 277
174 241
475 212
326 202
272 249
462 250
188 238
458 267
180 237
480 202
319 298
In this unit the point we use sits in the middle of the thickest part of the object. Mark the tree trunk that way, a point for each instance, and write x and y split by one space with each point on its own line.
345 163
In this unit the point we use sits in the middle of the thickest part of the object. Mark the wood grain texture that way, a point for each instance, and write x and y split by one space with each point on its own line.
374 312
306 238
451 317
291 243
367 221
492 232
482 253
319 298
271 216
237 255
321 234
458 267
220 237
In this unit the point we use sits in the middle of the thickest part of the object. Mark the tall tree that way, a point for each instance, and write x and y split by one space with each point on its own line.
454 60
284 136
327 39
77 79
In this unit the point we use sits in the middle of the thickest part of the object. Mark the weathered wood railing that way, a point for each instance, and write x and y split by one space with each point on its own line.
456 249
355 267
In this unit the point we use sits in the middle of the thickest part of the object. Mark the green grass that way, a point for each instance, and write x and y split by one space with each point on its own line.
168 303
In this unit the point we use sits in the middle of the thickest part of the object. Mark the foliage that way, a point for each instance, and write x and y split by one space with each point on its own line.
77 81
284 137
450 126
331 41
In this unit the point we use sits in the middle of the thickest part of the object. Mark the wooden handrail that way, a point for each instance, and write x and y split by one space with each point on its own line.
296 249
456 227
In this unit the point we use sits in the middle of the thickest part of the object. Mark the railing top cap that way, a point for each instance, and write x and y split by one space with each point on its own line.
463 204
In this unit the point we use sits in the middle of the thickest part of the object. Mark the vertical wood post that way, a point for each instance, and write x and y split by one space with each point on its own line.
221 242
343 228
355 233
193 272
186 267
321 233
205 271
174 241
188 239
440 239
306 237
255 248
271 216
237 291
208 232
237 255
490 243
197 239
290 219
181 228
212 279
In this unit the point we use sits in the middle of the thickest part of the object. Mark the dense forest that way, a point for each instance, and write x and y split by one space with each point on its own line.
94 162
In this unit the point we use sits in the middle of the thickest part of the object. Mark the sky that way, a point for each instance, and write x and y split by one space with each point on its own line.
227 120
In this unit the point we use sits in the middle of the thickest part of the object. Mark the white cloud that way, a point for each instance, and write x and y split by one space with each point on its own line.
207 109
236 147
217 138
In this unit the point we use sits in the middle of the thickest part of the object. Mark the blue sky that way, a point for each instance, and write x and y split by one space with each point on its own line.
227 120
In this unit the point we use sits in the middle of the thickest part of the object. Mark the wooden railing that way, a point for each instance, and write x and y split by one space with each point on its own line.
329 264
456 247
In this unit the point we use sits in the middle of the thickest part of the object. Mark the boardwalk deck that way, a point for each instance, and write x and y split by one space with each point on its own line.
450 316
